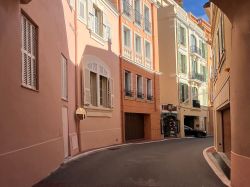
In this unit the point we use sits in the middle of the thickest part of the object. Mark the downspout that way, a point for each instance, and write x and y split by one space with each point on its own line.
121 71
77 78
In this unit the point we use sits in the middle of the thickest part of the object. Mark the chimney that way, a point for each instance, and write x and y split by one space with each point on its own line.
179 2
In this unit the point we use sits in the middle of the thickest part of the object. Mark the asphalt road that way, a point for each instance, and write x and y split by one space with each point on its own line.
172 163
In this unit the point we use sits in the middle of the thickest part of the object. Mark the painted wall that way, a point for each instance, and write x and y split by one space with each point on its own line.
102 127
31 121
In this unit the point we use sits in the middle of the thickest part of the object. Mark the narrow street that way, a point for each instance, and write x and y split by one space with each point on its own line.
173 163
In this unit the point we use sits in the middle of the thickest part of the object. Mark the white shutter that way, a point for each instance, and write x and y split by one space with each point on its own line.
72 3
29 52
90 15
112 93
105 27
87 96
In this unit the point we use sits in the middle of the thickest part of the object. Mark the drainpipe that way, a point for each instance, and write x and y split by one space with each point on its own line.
77 78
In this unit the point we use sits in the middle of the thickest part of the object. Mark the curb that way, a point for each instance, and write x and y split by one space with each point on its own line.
78 156
220 174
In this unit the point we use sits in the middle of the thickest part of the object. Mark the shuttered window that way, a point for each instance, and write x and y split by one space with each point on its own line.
64 78
82 10
29 53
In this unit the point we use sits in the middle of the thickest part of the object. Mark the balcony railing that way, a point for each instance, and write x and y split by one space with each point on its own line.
138 17
138 58
198 76
140 95
196 104
128 93
195 49
127 8
147 25
150 97
127 52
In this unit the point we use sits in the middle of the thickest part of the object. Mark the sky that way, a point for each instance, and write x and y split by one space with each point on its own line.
196 7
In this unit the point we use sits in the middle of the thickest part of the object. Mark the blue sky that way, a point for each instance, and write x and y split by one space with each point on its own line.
196 7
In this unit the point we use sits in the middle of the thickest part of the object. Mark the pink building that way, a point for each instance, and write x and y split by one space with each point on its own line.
57 57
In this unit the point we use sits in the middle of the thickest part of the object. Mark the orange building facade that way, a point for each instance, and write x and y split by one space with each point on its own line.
139 69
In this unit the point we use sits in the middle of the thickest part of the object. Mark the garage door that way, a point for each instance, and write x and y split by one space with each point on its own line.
226 125
134 126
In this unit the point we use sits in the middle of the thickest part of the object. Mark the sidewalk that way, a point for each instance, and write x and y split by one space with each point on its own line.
219 163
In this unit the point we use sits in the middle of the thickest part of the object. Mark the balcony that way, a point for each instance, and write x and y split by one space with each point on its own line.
138 58
138 17
127 52
140 95
195 49
196 104
147 25
150 97
198 76
127 8
128 93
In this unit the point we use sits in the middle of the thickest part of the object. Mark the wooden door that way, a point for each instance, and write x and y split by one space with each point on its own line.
134 126
226 128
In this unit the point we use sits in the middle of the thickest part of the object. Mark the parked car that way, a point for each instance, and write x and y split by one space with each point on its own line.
194 132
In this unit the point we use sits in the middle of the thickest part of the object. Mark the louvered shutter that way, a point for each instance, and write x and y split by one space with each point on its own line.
29 52
64 78
87 96
105 27
112 93
178 33
90 15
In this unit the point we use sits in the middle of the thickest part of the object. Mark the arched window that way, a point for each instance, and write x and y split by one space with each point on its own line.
193 41
98 84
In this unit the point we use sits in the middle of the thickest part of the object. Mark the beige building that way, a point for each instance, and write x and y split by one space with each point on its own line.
183 49
220 79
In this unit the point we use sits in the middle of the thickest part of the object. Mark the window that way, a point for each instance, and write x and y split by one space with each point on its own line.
138 15
147 23
139 87
147 50
193 41
194 93
64 78
98 19
138 44
98 86
204 50
182 36
183 92
127 8
82 10
127 37
104 89
29 53
149 90
194 66
128 80
182 63
93 88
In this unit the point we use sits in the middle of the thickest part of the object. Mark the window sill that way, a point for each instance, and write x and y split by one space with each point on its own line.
129 98
29 88
99 112
97 37
64 99
84 21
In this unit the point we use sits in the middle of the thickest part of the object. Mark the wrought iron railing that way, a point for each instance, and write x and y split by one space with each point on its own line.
196 104
140 95
195 49
128 93
150 97
198 76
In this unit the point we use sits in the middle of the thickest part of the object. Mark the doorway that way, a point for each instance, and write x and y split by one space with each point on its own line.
226 132
65 131
134 126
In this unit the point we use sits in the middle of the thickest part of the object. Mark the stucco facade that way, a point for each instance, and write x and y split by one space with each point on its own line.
48 48
233 78
183 50
139 69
